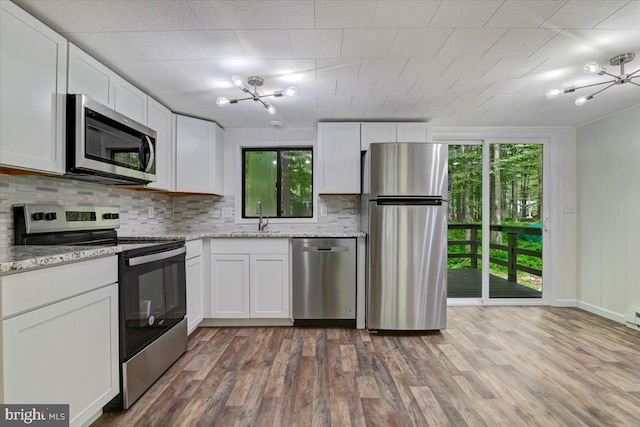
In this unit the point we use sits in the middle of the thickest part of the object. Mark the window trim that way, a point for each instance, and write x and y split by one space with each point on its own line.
238 219
278 150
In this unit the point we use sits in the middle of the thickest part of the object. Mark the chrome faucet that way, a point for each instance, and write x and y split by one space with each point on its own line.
261 224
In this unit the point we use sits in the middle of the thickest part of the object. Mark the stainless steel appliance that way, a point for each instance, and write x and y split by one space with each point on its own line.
404 212
152 287
324 281
106 146
153 328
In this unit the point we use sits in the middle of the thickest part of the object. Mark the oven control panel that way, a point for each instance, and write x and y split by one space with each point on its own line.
44 218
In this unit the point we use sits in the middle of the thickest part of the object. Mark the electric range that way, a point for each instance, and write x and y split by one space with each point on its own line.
151 286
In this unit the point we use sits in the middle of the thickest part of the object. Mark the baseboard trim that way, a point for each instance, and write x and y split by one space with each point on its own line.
244 322
565 303
603 312
93 418
463 302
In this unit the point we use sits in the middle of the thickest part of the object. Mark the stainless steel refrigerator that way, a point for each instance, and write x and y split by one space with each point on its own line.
404 212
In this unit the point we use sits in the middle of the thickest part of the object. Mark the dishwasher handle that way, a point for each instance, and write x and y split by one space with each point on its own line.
325 249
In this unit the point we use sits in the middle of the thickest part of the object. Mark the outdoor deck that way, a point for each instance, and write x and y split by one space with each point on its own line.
467 283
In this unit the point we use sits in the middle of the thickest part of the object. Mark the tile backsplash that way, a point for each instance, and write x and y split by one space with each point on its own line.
198 213
170 214
134 205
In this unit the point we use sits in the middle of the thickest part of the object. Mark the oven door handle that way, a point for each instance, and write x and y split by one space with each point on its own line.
155 257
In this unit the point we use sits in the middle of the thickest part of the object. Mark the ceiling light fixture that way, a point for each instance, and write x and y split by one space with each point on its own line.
594 68
256 82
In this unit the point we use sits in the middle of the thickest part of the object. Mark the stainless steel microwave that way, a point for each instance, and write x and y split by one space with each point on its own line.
106 146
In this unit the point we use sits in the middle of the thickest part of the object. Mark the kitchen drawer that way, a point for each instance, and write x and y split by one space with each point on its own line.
26 291
253 246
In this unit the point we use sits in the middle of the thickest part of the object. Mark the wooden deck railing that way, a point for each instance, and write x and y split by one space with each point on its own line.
511 248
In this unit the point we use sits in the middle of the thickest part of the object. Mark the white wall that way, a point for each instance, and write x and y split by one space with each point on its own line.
608 154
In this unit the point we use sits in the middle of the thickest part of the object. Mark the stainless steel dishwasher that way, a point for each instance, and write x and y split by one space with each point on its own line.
324 281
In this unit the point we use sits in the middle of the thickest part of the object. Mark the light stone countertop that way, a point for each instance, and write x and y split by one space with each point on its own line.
21 258
244 233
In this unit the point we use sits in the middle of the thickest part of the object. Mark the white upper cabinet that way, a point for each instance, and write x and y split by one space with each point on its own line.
131 101
89 77
394 132
339 157
376 132
192 161
33 84
413 132
216 159
199 156
160 119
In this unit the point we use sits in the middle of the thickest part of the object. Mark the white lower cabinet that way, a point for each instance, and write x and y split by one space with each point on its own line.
194 277
269 291
250 278
60 346
230 286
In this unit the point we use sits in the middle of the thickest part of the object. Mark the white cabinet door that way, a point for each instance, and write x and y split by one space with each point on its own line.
230 286
194 293
160 119
270 286
199 156
413 132
131 101
339 158
192 155
216 159
376 132
89 77
33 84
64 353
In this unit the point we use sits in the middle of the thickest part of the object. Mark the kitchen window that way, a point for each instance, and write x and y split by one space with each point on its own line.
280 178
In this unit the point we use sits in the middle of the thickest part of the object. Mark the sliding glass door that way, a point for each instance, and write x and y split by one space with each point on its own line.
515 220
497 220
465 220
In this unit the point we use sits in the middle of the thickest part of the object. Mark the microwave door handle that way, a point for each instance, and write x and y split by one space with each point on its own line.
152 154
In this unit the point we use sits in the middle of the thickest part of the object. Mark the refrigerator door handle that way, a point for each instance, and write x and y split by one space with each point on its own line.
410 200
546 223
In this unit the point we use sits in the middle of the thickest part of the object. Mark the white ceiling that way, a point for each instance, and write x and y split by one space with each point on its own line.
454 63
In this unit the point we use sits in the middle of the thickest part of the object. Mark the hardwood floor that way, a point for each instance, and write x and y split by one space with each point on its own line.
493 366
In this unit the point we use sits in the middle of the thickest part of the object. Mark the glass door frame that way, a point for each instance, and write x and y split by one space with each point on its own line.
548 164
